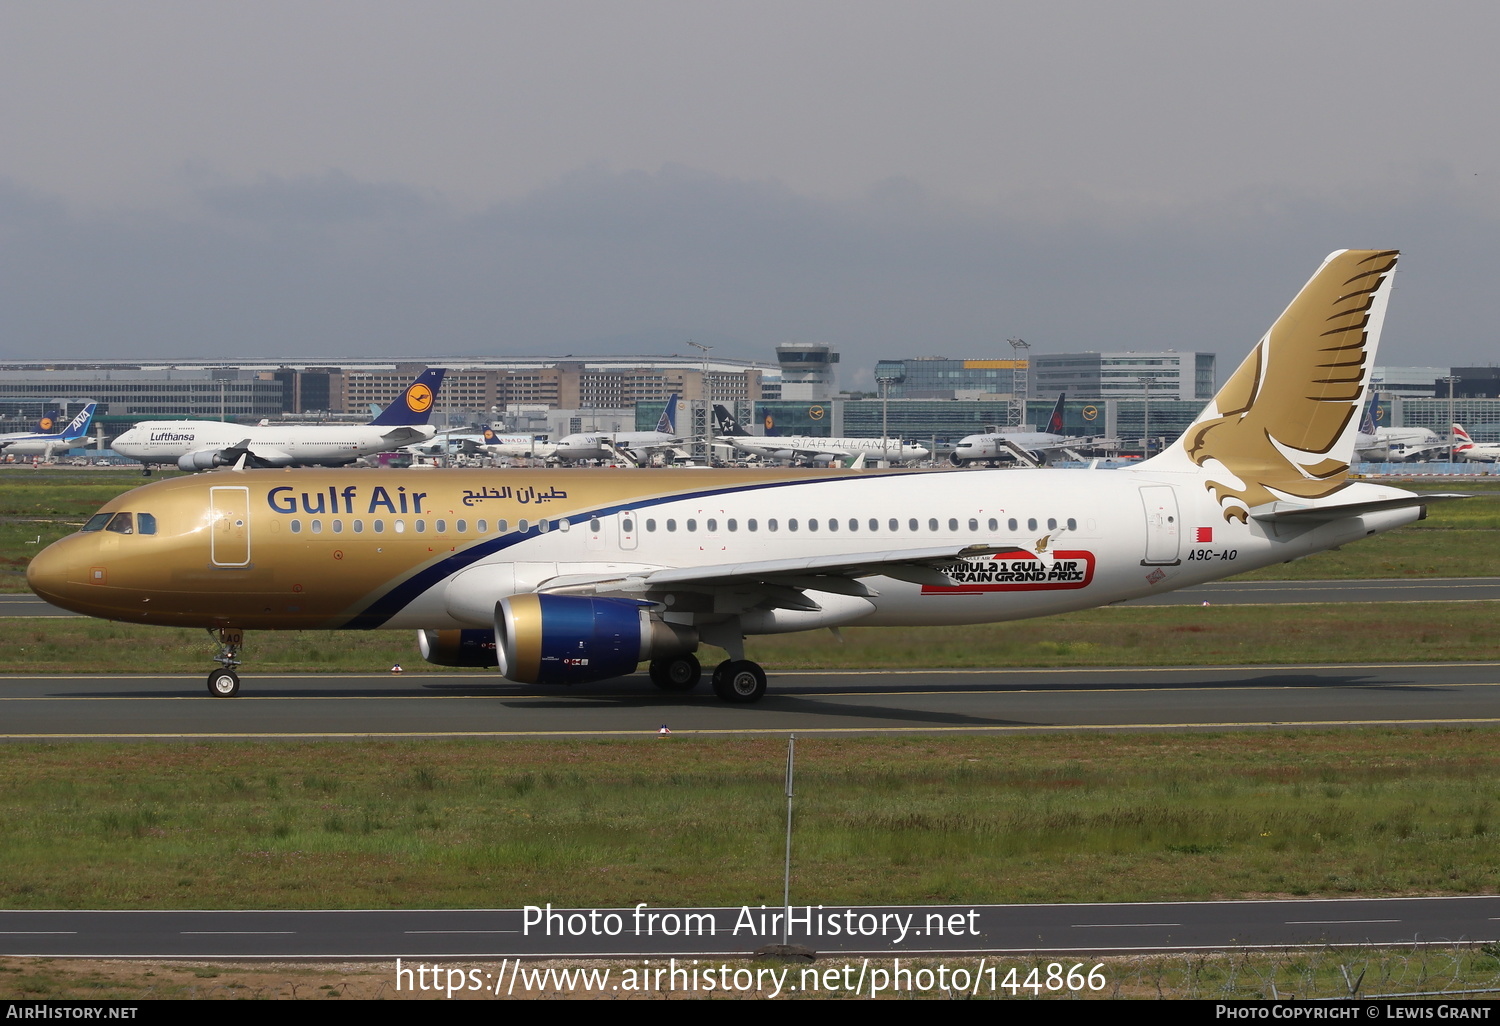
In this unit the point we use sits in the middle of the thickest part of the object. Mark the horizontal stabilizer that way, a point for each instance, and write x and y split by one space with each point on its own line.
1283 512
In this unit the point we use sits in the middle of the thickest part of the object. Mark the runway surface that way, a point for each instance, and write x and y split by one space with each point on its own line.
869 701
993 929
1219 593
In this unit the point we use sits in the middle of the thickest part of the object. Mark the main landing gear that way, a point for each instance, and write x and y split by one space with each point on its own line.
739 680
224 682
734 680
679 673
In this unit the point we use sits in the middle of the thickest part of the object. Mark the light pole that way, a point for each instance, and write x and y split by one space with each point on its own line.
1146 380
1452 380
885 423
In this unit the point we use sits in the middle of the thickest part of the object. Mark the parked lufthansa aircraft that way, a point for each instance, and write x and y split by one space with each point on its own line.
205 444
570 576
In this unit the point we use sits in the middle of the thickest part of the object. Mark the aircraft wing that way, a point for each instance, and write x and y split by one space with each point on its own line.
807 452
784 579
397 437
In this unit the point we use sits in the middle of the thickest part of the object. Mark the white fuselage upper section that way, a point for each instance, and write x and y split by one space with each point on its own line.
169 440
1076 539
808 446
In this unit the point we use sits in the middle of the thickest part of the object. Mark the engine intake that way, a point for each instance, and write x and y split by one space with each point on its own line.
574 639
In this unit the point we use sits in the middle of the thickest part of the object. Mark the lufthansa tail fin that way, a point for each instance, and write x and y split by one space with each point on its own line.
414 405
1283 426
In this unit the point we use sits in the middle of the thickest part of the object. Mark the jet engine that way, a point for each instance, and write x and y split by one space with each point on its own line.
574 639
458 648
203 459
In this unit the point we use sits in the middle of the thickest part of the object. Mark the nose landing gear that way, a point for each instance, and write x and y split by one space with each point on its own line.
224 682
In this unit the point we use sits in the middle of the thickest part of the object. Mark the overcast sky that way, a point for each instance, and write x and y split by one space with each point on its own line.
915 178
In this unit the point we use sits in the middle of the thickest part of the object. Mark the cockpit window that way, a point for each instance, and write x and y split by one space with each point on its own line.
96 522
122 523
145 523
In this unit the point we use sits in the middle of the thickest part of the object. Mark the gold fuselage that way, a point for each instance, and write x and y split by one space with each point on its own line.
239 549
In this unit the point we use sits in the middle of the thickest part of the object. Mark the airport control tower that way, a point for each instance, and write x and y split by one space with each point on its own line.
806 370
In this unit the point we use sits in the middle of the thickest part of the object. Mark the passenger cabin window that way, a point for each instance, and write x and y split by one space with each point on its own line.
1011 523
596 527
1072 524
317 526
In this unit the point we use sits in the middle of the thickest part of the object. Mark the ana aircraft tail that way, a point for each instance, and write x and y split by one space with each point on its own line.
1284 424
414 405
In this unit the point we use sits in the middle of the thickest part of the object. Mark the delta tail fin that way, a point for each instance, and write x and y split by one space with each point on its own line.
414 405
1283 426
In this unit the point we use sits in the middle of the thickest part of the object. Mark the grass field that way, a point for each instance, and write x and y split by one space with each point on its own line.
681 821
1112 636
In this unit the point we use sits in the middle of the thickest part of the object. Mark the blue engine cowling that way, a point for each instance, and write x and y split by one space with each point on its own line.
574 639
458 648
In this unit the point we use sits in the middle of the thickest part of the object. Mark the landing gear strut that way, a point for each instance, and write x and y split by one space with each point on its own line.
225 683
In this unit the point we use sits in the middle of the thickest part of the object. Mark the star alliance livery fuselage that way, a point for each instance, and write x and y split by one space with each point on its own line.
564 576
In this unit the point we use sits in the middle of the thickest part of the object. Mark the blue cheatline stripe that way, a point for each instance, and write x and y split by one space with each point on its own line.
406 591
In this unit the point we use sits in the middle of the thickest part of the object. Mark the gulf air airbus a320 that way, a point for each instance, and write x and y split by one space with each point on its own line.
569 576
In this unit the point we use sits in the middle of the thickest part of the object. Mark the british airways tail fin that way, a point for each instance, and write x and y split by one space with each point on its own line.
414 405
1283 426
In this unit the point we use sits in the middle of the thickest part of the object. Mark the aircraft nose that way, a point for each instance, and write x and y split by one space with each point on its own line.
47 573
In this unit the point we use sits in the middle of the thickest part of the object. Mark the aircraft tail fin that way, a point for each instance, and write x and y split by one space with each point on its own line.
1055 422
80 424
414 405
1367 422
1283 426
726 424
666 424
1461 440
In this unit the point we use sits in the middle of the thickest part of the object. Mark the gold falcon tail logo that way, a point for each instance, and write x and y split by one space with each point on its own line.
1280 425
